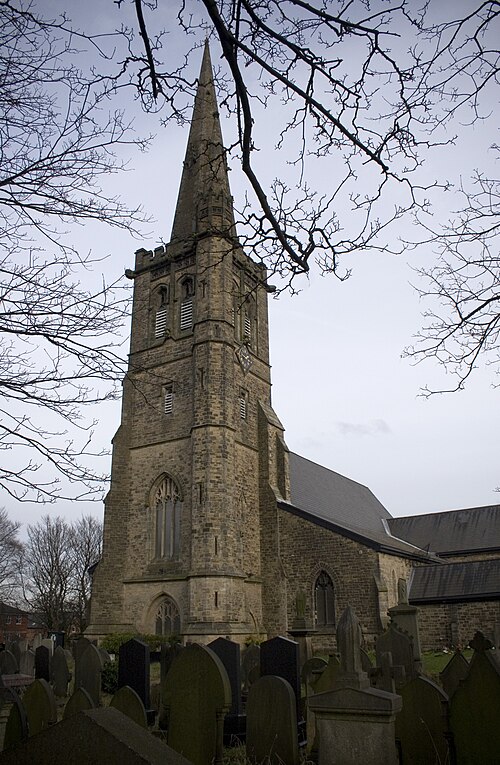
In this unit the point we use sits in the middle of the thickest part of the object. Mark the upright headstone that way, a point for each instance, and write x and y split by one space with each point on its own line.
37 641
455 671
60 672
422 726
79 701
8 663
40 705
167 655
405 617
49 644
280 656
134 668
16 728
229 653
42 663
326 681
474 715
79 648
272 722
27 666
90 669
197 695
15 649
130 704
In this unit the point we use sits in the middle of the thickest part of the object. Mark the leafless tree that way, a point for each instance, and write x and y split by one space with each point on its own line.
56 581
10 554
366 91
86 549
58 139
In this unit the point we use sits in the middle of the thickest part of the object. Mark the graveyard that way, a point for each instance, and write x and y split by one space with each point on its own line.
272 703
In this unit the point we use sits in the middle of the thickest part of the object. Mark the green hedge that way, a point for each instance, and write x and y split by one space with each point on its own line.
113 641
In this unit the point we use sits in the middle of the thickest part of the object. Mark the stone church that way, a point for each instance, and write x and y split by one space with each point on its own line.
212 527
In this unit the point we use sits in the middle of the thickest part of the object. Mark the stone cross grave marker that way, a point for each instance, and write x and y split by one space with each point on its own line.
197 695
272 722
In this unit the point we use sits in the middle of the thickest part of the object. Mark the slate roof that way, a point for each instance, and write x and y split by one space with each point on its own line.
456 531
455 582
330 499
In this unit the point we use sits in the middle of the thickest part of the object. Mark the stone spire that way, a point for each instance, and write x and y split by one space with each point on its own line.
204 203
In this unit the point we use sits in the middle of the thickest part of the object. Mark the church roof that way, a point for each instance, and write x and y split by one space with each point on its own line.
330 499
204 195
473 529
472 580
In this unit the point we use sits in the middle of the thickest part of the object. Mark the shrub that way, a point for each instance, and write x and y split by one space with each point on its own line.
109 677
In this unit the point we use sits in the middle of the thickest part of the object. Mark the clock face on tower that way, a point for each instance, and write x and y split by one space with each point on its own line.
244 358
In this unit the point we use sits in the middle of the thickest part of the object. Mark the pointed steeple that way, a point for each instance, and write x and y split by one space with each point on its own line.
204 202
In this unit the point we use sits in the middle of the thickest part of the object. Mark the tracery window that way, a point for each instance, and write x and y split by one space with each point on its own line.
167 620
167 506
324 600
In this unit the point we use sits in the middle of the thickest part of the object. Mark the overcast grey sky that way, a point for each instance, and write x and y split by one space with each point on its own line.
340 387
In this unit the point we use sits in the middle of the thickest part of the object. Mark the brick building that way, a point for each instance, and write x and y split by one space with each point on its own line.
211 526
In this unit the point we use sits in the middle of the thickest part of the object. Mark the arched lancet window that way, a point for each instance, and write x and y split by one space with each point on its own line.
162 299
167 506
167 620
324 600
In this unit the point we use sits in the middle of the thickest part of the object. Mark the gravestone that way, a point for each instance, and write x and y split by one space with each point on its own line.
311 672
355 723
90 669
272 722
16 728
455 671
327 679
229 653
60 672
8 663
250 666
280 656
93 737
42 663
105 656
196 697
400 646
79 701
40 705
37 641
422 726
167 655
15 649
405 618
27 665
49 644
474 715
79 648
134 668
127 701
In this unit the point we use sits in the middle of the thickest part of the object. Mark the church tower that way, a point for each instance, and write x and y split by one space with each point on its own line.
184 526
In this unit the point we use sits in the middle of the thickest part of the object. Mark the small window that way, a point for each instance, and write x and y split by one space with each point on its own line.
168 399
161 322
186 314
8 620
247 328
19 619
243 404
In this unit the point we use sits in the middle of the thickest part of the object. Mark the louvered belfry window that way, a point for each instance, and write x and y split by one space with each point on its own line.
247 328
161 322
243 404
168 399
168 507
186 314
